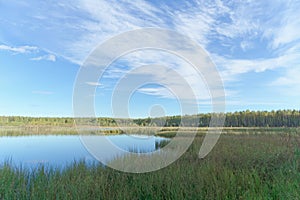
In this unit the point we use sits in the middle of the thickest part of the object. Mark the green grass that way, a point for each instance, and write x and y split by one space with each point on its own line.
56 130
241 166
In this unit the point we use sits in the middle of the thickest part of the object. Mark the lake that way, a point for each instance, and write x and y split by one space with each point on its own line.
61 150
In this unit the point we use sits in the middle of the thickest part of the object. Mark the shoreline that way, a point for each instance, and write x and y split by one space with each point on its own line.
9 130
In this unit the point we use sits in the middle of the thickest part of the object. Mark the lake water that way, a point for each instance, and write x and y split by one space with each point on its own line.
59 151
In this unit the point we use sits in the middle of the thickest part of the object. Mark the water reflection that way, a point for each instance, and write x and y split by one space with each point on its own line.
59 151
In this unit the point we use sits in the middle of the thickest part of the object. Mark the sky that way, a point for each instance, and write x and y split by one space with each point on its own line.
255 46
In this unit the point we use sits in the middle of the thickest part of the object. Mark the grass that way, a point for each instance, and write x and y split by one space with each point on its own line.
241 166
56 130
147 130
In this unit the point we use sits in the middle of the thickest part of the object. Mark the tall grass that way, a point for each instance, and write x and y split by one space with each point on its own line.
262 166
56 130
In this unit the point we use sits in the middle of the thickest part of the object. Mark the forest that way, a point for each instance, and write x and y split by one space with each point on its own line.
279 118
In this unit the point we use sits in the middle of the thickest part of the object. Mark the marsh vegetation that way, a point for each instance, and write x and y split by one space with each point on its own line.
256 165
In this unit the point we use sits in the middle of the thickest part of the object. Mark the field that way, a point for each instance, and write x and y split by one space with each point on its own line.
245 164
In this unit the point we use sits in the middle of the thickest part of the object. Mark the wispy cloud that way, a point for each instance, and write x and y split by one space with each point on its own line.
233 67
156 91
246 45
237 27
20 49
110 18
241 36
28 50
48 57
201 21
94 83
288 83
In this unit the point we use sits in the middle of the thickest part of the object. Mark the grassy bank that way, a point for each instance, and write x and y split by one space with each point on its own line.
241 166
56 130
159 131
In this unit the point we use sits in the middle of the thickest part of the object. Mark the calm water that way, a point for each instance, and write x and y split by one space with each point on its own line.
59 151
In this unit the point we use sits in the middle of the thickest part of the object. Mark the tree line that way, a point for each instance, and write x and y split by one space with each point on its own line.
279 118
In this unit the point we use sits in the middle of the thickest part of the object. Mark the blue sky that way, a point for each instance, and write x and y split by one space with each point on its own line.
255 46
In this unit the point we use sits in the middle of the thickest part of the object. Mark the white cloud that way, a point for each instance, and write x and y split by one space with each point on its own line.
287 25
20 49
201 21
229 30
194 23
94 83
289 79
179 80
246 45
156 91
27 50
231 68
245 20
48 57
109 18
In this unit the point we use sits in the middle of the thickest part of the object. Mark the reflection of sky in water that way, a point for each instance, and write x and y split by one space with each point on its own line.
139 142
58 151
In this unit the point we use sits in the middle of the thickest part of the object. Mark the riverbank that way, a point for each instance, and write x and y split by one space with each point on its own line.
106 130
